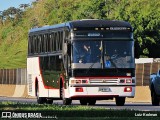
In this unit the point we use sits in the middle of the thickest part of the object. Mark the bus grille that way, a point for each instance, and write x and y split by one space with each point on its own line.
104 81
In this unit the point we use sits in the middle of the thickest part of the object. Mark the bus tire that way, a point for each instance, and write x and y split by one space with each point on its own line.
83 102
92 102
66 101
120 101
40 100
155 100
49 101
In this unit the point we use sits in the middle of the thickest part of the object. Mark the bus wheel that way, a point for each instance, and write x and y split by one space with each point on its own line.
66 101
155 100
92 102
83 102
40 100
120 101
49 101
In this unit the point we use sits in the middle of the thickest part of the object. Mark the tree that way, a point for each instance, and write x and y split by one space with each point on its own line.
1 18
24 6
144 16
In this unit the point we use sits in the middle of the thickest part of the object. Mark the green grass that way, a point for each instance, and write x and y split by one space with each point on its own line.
35 107
74 112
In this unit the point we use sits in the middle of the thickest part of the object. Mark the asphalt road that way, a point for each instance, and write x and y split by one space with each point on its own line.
105 104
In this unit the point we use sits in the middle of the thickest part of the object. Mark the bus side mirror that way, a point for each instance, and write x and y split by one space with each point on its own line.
60 57
67 48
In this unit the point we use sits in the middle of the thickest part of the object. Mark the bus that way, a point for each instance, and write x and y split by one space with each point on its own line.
85 60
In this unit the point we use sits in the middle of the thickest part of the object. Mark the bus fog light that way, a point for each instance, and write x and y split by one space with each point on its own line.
128 89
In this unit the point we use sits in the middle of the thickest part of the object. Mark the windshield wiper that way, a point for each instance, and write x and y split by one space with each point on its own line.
114 65
90 67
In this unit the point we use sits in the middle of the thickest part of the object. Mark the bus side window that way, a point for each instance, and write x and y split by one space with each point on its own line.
50 43
46 63
29 44
45 43
52 63
32 44
58 64
41 63
54 48
61 39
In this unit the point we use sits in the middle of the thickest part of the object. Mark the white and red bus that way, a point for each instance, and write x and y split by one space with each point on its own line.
86 60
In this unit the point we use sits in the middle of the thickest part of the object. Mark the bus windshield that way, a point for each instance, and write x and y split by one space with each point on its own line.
110 54
118 54
86 51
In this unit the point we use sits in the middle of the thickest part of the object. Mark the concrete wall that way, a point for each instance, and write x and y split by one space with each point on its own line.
13 90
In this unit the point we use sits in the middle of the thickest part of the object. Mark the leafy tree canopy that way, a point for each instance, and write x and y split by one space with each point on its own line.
144 16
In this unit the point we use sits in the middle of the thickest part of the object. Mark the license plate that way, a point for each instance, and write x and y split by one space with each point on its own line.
104 89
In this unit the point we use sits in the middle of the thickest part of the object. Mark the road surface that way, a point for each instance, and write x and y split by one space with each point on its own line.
104 104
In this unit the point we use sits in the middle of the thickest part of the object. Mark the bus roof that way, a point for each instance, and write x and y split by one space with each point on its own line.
85 24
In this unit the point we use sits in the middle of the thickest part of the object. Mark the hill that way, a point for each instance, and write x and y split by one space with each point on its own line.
144 16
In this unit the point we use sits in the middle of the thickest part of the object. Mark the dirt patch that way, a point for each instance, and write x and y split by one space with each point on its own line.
142 94
7 90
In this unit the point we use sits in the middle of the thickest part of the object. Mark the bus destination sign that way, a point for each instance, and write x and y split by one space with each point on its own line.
94 34
118 28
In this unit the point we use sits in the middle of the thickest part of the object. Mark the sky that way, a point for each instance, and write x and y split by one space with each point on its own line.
5 4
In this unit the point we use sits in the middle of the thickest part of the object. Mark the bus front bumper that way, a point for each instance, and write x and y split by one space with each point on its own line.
102 92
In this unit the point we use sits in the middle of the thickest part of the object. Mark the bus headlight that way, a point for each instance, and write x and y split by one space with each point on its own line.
128 80
79 81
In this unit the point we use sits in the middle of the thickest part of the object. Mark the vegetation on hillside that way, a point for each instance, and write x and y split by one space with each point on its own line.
144 16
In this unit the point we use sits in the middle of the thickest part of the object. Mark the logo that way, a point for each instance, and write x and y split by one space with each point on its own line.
104 81
26 115
6 115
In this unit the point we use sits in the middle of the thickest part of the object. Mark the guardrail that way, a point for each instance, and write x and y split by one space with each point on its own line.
19 76
13 76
